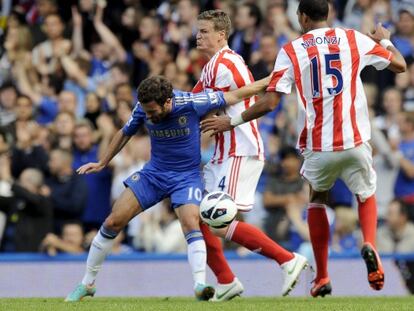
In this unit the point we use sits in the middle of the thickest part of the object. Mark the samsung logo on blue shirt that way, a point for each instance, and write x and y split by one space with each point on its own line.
170 133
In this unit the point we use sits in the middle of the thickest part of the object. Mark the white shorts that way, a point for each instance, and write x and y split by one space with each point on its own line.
238 176
353 166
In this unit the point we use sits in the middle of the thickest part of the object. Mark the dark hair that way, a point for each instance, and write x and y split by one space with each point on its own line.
55 82
122 67
317 10
288 151
254 11
7 85
156 88
220 19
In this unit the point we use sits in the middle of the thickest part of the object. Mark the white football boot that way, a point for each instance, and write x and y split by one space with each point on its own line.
291 271
228 291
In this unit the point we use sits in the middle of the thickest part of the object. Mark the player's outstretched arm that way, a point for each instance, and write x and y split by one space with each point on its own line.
236 96
382 36
117 143
223 123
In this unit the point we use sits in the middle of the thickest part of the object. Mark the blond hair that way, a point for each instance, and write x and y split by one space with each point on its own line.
220 19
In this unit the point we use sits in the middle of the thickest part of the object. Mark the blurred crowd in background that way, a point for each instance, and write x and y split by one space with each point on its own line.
68 77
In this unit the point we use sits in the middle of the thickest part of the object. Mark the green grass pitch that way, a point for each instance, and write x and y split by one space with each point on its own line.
238 304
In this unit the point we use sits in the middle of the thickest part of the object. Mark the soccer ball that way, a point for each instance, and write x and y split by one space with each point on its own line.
218 209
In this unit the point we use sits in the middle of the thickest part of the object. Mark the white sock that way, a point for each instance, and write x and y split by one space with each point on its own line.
101 245
197 256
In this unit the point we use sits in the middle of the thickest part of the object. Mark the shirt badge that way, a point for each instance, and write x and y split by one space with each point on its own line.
182 120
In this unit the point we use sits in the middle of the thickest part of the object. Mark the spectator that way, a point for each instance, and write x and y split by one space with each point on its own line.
62 130
71 241
344 238
69 192
285 189
160 235
42 93
23 113
131 159
119 74
67 102
8 97
404 185
130 19
28 208
355 12
386 163
24 110
97 207
44 54
404 36
278 24
150 31
246 37
78 82
26 153
405 83
266 57
182 32
116 52
124 92
333 20
388 122
123 113
17 46
150 36
93 108
37 15
397 236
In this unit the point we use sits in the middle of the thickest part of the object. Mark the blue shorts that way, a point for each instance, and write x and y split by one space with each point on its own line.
151 186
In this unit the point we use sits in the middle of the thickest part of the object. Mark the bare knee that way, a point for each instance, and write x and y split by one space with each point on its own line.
124 209
190 223
114 222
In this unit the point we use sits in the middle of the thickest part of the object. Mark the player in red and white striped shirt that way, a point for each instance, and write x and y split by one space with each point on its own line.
333 124
237 162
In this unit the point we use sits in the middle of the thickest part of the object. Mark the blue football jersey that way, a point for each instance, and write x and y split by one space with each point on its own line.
175 141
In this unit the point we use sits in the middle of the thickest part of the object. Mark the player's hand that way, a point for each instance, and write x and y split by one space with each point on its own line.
216 125
90 168
380 33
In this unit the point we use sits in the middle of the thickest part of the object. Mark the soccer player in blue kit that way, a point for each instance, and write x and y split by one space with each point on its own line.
172 118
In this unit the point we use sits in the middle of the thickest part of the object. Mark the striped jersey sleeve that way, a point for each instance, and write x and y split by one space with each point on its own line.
282 75
371 52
